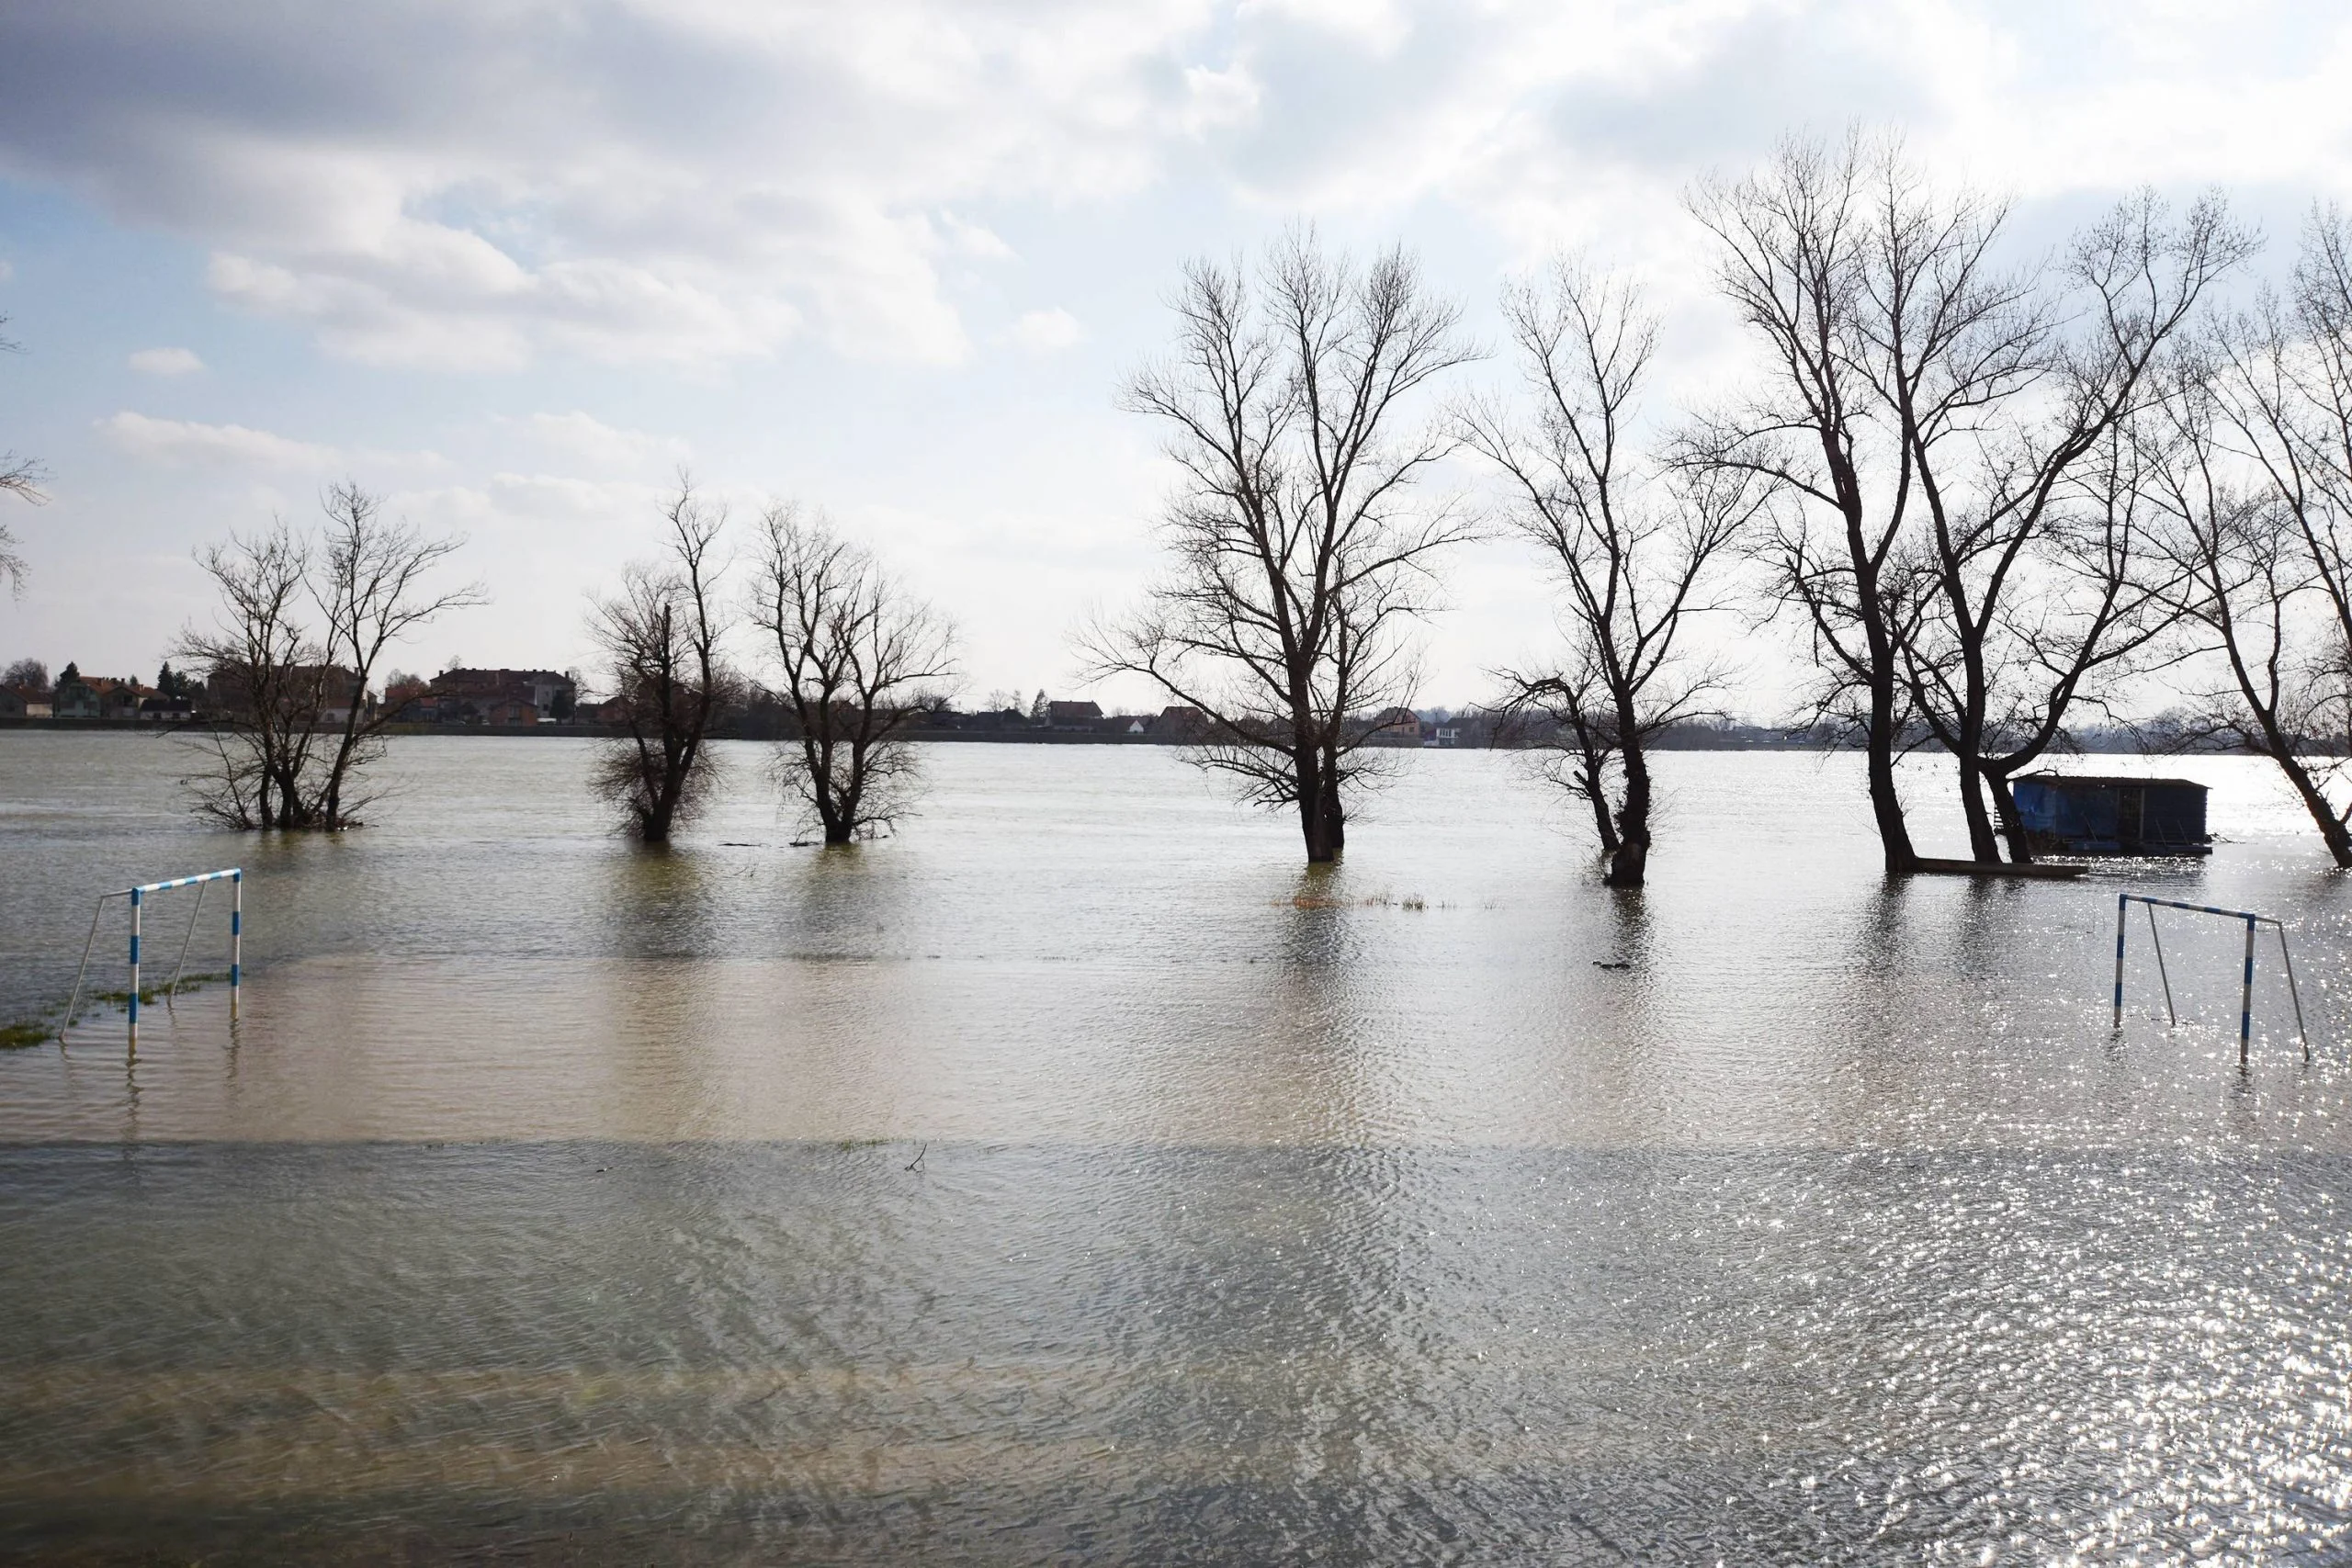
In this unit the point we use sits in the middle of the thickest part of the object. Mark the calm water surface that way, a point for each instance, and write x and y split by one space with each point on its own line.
1078 1177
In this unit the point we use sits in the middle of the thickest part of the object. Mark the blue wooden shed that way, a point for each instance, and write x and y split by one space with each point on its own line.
2078 815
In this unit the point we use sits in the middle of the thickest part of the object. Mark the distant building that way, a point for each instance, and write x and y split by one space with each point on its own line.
612 710
1395 726
1181 726
337 691
510 713
1073 715
497 697
97 696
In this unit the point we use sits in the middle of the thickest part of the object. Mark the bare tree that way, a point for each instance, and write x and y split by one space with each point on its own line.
1926 410
1301 554
2256 482
2249 588
19 477
297 729
863 661
2036 589
370 588
1632 544
263 667
1580 755
1799 258
660 635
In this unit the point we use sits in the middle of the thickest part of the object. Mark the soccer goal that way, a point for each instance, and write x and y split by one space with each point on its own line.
235 877
2124 903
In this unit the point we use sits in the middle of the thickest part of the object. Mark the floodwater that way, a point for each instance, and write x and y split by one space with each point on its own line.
1078 1177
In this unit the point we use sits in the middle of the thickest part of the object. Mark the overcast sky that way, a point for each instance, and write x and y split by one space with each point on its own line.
512 261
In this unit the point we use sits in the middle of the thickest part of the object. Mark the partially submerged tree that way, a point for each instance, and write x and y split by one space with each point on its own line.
661 637
2249 592
371 587
863 661
2037 591
293 651
1634 546
1797 257
2253 474
1301 552
265 674
1926 416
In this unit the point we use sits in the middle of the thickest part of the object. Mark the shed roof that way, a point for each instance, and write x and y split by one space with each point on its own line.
2107 781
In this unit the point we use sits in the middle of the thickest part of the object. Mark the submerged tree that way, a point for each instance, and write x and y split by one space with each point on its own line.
2038 590
370 590
1300 551
292 652
1926 414
863 662
1634 546
2251 469
1797 257
661 638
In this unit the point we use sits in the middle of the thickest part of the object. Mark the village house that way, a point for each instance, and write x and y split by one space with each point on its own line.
226 691
498 696
1393 727
97 697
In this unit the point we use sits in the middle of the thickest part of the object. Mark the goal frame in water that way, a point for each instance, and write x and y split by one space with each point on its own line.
233 876
2123 902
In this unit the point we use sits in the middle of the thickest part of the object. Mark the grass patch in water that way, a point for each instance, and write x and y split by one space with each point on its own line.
1412 902
44 1026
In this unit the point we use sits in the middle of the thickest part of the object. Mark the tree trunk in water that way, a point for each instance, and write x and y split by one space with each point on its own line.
1603 824
1983 847
653 822
2331 827
1631 860
1320 820
1322 840
1313 801
2005 804
1886 806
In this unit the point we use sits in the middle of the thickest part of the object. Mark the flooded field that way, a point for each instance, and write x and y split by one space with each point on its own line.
1079 1178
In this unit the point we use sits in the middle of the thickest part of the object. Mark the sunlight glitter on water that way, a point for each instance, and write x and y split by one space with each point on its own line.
1077 1177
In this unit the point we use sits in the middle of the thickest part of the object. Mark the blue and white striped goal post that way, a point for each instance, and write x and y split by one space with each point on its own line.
2123 902
235 877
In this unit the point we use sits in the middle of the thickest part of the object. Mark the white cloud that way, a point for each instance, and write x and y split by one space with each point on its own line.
1044 332
166 362
704 182
587 440
182 443
693 183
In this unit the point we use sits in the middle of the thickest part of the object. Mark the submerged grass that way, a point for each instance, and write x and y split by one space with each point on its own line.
1374 901
45 1024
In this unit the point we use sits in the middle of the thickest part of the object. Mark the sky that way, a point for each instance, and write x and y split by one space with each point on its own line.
512 263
